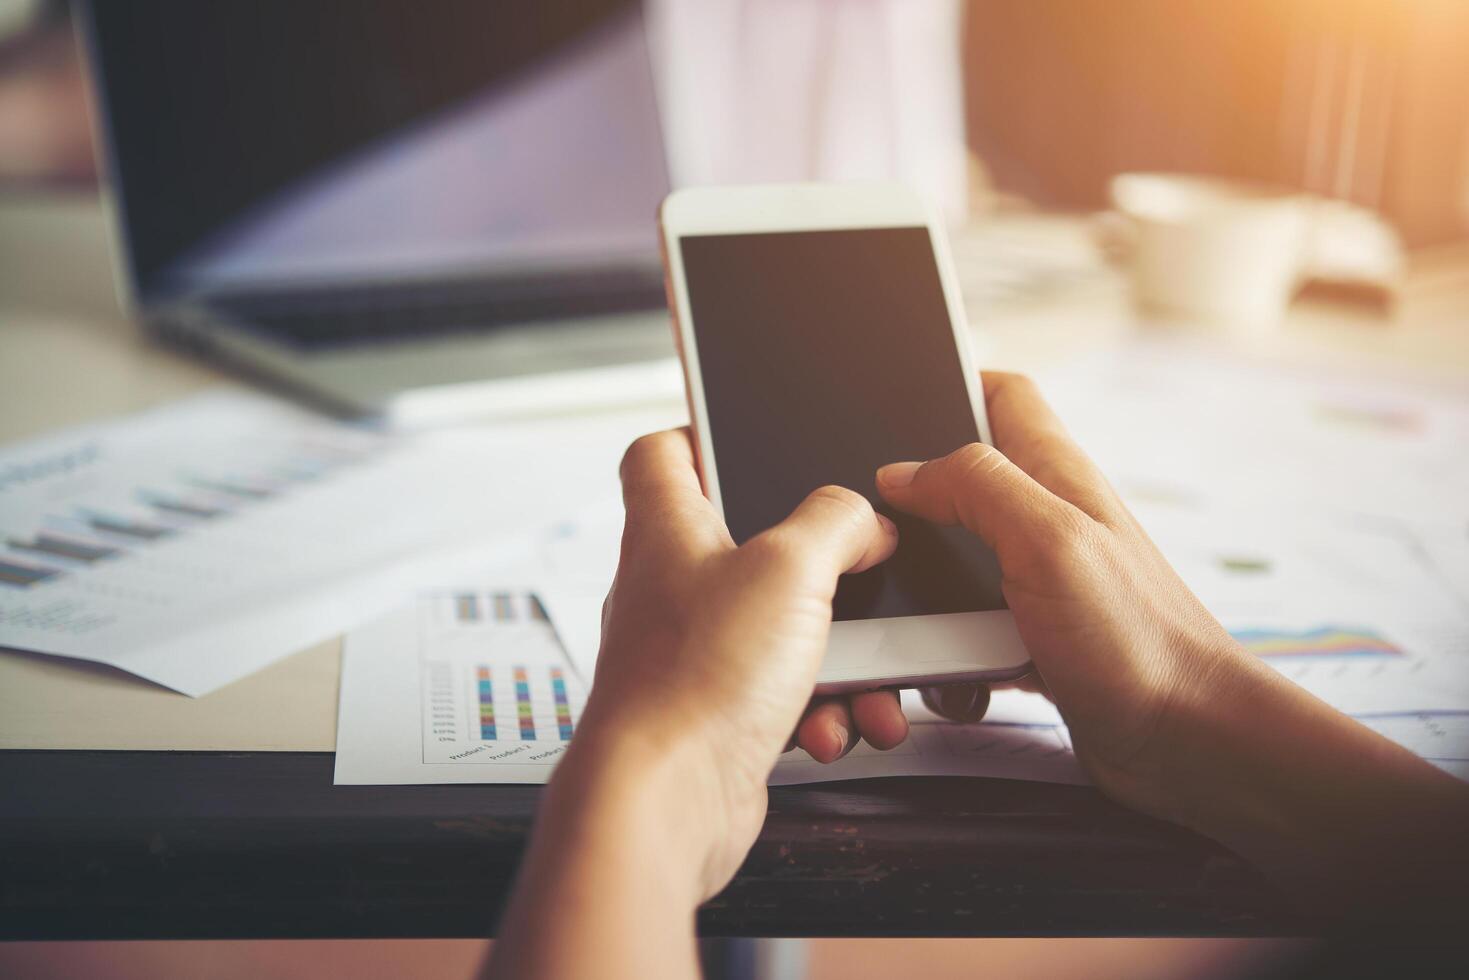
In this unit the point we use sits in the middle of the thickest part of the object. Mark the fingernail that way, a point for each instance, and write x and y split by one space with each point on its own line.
897 474
961 702
956 701
887 524
842 735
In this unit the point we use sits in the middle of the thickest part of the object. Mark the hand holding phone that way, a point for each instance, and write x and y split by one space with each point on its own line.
822 336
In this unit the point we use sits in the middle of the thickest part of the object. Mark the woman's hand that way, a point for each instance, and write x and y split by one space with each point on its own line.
1168 714
709 655
710 651
1116 637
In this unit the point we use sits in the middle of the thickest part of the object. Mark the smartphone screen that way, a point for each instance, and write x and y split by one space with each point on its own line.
824 355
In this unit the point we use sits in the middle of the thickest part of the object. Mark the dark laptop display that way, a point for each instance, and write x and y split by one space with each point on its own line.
442 165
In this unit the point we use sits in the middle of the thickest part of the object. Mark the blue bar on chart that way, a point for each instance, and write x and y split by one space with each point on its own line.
563 706
59 547
110 524
301 470
13 573
180 507
486 705
237 488
522 706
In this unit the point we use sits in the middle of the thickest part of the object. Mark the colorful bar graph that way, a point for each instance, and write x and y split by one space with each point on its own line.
563 706
503 612
486 705
467 608
1325 641
522 706
12 573
50 544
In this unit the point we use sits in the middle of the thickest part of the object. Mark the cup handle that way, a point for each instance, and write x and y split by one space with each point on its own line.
1115 235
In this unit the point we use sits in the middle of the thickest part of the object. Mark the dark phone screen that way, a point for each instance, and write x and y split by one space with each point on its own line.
824 355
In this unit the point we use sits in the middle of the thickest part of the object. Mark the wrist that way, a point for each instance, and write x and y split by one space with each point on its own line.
1315 800
645 796
1218 690
1203 684
612 879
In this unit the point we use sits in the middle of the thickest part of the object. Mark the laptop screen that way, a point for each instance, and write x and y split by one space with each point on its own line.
301 142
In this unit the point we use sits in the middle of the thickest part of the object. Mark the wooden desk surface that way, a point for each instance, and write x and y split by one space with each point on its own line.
237 831
103 845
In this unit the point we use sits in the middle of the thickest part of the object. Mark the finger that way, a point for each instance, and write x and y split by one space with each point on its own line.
826 730
1032 436
958 702
1032 682
977 486
662 494
832 531
879 718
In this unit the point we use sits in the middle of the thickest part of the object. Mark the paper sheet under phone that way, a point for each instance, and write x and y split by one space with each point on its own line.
195 543
1399 669
474 686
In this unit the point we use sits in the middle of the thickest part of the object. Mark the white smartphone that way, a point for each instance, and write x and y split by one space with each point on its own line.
822 335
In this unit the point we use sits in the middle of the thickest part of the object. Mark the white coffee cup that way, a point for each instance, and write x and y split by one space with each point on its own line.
1206 249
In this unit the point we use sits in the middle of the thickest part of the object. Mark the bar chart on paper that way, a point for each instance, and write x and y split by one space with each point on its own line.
1305 654
497 686
1321 641
105 505
193 543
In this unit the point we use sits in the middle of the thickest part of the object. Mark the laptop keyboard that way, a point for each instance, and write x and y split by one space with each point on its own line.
372 314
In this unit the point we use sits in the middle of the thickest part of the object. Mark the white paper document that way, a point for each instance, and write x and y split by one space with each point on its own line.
474 686
1192 426
450 690
466 686
1354 612
197 542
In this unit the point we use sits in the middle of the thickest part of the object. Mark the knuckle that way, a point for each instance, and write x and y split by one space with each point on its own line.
1055 447
1068 537
1023 381
852 504
975 459
772 550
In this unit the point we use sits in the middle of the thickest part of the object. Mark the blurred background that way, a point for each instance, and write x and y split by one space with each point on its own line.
1017 118
992 109
1039 102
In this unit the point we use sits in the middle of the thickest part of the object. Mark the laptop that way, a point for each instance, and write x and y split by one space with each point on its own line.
421 212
